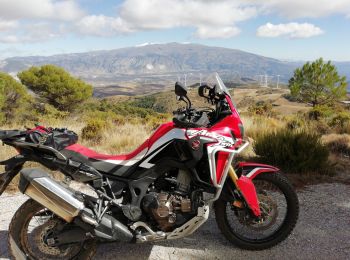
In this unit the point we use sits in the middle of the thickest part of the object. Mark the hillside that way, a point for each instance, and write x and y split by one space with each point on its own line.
151 68
166 102
156 63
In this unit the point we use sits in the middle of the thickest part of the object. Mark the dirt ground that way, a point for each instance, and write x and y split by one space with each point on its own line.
322 232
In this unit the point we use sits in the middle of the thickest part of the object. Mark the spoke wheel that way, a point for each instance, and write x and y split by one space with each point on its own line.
32 230
279 212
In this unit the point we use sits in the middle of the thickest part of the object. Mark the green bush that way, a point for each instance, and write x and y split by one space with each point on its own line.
320 111
293 151
56 86
93 130
150 102
291 98
14 98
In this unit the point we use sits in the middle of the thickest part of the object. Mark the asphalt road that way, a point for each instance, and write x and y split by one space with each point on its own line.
322 232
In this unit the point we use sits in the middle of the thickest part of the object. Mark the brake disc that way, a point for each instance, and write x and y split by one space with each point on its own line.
43 236
269 213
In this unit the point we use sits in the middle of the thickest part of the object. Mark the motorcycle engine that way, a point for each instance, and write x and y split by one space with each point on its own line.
169 203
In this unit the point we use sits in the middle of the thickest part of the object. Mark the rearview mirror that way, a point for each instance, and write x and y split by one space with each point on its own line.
203 91
180 90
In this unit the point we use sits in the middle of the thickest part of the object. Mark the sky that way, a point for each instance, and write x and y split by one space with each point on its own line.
289 30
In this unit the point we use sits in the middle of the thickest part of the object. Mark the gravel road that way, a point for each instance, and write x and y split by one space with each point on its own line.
323 232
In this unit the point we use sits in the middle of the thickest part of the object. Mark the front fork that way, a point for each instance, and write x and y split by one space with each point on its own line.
246 188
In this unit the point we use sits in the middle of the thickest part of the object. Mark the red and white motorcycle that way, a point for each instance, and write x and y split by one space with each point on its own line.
162 190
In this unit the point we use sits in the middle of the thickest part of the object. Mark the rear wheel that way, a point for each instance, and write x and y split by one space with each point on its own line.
280 209
30 230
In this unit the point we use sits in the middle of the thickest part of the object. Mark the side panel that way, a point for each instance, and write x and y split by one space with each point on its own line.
220 165
251 169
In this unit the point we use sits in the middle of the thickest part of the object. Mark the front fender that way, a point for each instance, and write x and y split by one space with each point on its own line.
251 169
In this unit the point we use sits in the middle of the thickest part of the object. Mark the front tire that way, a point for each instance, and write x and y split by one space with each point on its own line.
21 247
229 223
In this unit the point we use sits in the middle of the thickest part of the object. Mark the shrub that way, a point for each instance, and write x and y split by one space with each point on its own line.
261 108
346 129
320 127
49 111
320 111
246 102
144 102
340 121
154 121
295 122
93 131
57 86
13 98
339 144
290 97
293 151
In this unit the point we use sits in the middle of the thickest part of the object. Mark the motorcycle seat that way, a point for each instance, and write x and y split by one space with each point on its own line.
113 164
100 156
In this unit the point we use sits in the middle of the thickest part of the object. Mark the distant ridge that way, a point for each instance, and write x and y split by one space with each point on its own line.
162 63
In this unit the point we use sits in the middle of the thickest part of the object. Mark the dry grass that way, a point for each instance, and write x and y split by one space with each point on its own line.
121 138
245 97
338 143
256 125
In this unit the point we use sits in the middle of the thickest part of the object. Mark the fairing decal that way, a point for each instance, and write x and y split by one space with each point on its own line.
130 162
220 139
175 133
146 164
251 169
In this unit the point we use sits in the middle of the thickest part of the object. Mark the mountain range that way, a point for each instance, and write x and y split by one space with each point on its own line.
161 64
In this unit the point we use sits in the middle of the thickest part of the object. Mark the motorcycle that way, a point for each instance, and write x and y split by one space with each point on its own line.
162 190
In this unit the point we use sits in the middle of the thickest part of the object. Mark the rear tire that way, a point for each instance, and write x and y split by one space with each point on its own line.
286 227
18 226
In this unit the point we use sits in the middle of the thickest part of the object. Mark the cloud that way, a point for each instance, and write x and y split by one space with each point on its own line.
303 8
211 19
9 39
204 32
23 21
66 10
100 25
208 19
33 32
291 30
7 25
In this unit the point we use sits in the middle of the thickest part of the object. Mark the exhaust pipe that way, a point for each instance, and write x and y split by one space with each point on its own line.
37 184
40 187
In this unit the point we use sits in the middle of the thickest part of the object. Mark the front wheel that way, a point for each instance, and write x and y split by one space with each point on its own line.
280 209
